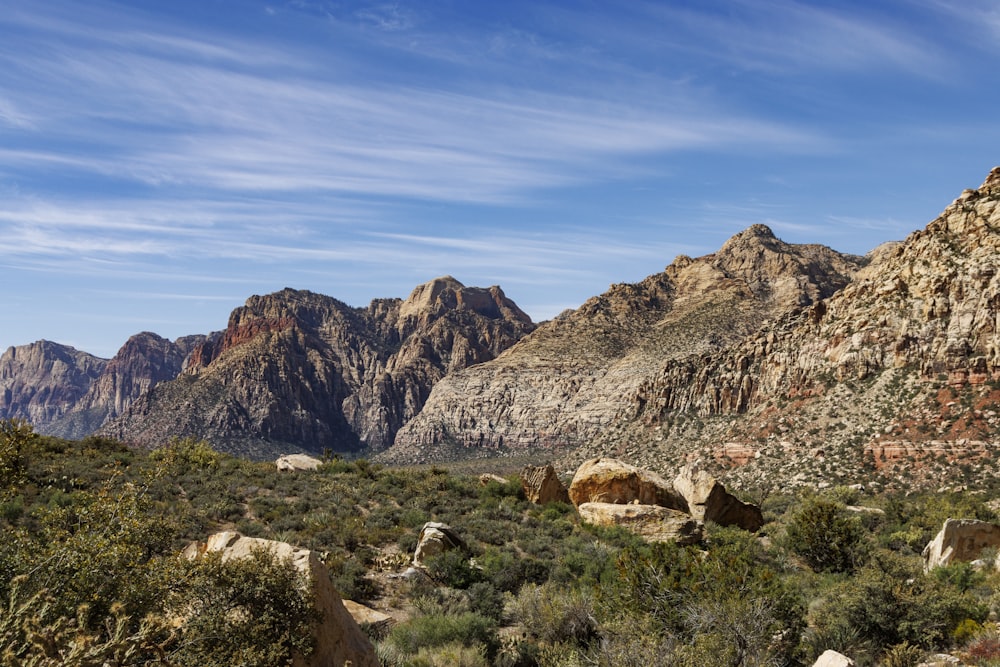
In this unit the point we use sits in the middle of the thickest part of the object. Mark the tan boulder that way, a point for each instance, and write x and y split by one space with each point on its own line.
488 477
960 540
296 462
708 500
366 616
339 640
831 658
541 485
651 522
604 480
435 538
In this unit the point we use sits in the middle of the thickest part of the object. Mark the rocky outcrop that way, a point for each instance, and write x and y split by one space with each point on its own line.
297 462
377 623
960 540
651 522
542 485
297 370
434 539
604 480
42 382
708 500
338 639
561 387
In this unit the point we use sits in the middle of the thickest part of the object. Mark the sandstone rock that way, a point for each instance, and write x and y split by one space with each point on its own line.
831 658
296 462
652 522
940 660
604 480
487 477
70 394
339 640
542 485
960 540
366 616
708 500
435 538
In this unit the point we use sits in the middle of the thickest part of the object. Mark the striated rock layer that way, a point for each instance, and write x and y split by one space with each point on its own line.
301 371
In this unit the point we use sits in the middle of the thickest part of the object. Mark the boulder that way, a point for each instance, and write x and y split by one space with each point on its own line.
296 462
435 538
960 540
541 485
488 477
831 658
651 522
339 640
940 660
379 623
708 500
604 480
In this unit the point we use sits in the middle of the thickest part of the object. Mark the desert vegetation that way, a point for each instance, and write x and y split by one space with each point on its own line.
90 572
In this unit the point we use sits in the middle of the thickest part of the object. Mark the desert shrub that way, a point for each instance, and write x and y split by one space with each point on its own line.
16 439
729 601
890 602
903 655
250 611
826 536
486 600
465 629
554 615
452 568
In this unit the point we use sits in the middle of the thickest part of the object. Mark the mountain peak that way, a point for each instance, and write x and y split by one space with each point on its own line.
992 182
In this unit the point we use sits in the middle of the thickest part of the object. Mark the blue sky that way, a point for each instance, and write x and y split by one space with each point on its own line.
162 161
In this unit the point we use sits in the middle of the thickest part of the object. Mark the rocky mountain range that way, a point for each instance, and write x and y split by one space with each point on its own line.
769 360
762 356
292 371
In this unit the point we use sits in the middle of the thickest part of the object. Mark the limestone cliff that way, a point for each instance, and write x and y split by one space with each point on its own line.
297 370
566 383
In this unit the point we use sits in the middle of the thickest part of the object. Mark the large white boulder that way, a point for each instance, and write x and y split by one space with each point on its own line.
960 540
831 658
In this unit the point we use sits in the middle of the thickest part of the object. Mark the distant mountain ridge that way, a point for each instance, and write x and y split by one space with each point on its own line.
764 360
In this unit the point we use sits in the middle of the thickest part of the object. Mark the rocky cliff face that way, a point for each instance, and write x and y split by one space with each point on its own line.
43 381
905 356
566 383
296 370
68 393
144 361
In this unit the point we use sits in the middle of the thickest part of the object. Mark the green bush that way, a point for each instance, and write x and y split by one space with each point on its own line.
826 536
466 629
